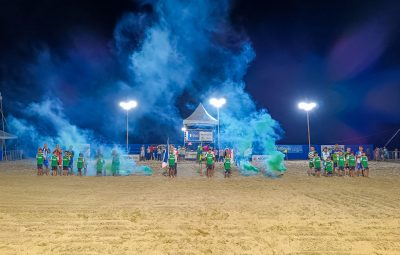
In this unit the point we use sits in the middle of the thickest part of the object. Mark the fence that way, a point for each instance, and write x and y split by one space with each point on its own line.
13 155
388 155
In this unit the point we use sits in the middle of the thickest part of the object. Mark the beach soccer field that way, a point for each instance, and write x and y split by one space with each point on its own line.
294 214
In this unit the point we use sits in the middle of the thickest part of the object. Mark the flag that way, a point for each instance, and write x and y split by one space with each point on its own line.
165 158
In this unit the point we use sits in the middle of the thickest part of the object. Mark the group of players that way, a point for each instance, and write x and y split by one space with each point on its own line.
208 157
338 162
62 163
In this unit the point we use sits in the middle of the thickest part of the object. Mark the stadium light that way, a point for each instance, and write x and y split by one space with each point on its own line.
127 106
218 103
307 107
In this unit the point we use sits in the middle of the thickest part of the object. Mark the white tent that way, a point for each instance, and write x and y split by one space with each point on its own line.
200 117
6 136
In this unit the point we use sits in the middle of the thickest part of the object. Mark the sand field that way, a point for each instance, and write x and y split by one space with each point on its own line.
294 214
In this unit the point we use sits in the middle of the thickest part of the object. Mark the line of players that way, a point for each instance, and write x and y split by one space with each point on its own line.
60 164
209 159
338 163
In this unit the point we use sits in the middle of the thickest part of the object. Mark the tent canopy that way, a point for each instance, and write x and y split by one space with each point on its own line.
200 117
6 136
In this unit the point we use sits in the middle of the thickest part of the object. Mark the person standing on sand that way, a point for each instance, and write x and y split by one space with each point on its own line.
54 163
142 154
39 161
115 163
311 160
317 164
46 156
210 158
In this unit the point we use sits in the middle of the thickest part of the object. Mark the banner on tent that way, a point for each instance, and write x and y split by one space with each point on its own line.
206 136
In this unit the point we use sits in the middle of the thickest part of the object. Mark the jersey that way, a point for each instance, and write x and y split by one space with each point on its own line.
341 161
317 162
209 158
99 164
227 164
65 161
40 158
311 154
54 160
171 160
364 161
325 155
358 156
352 161
80 162
329 166
335 157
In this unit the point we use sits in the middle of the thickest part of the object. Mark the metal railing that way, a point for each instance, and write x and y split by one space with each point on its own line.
13 155
388 155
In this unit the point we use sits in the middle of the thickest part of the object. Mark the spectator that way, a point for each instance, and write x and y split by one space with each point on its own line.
396 156
142 153
148 153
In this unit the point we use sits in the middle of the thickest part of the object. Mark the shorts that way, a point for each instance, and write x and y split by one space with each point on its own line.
366 168
318 169
310 165
359 166
341 168
65 168
352 168
40 166
46 163
209 166
54 168
227 170
334 164
79 170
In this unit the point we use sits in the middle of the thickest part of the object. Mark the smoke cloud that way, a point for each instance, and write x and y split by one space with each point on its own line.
180 51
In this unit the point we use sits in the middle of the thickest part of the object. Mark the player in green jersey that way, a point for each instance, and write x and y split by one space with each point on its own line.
329 167
100 165
210 163
80 164
65 163
317 164
54 163
352 164
115 163
39 161
364 163
311 160
227 166
341 163
171 163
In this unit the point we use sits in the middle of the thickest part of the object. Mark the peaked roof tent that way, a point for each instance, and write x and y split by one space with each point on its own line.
200 117
5 135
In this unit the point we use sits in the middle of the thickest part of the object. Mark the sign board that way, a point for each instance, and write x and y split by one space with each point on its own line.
259 158
191 155
332 147
206 136
135 157
193 135
290 148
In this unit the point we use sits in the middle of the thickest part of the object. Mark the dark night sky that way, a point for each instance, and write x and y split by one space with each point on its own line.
345 55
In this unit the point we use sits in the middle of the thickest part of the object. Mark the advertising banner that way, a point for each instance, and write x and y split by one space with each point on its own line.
332 147
193 136
206 136
290 148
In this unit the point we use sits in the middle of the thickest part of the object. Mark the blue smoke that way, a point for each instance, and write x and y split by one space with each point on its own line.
181 50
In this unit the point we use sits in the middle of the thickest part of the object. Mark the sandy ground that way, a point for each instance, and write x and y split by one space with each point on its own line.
294 214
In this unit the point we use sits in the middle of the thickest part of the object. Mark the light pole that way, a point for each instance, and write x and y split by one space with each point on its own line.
184 130
307 107
127 106
218 103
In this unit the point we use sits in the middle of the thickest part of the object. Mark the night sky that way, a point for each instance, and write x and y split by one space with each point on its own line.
345 55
